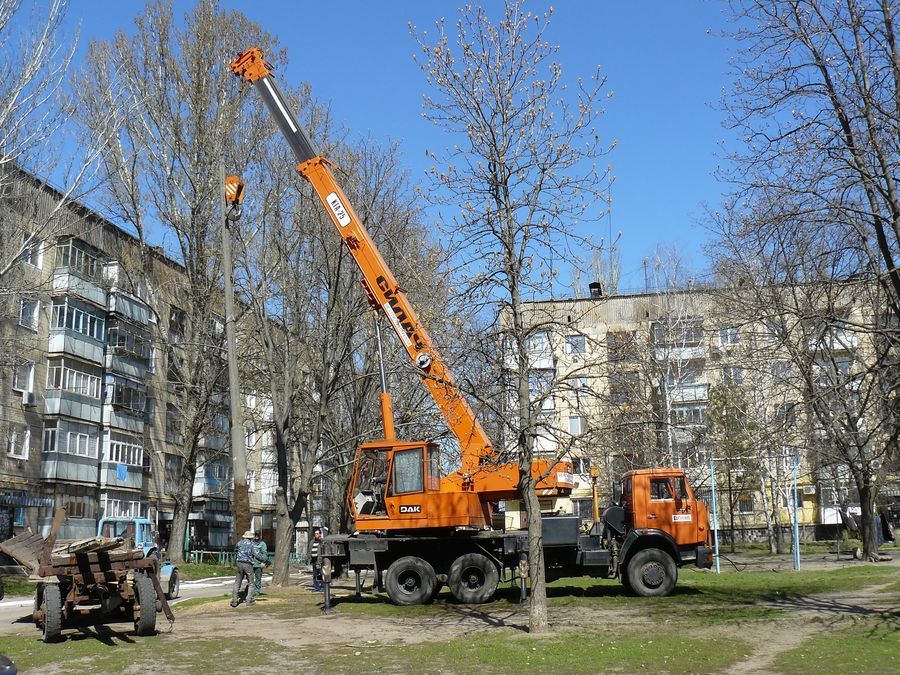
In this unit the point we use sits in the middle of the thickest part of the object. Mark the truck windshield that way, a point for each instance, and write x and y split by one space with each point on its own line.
118 528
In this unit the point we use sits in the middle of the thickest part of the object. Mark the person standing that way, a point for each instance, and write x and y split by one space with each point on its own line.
258 564
314 559
245 553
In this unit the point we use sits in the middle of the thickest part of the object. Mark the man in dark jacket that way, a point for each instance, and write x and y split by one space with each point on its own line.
245 553
314 560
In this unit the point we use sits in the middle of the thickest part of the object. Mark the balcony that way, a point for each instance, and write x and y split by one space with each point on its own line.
213 441
130 307
70 404
122 418
66 467
65 341
66 282
114 475
678 353
689 393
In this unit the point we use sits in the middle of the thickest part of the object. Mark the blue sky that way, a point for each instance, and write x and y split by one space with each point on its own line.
664 61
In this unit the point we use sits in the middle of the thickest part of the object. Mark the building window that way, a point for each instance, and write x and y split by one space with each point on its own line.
577 425
77 316
781 370
538 344
124 449
19 442
174 425
172 473
575 344
733 374
177 325
581 465
678 332
75 256
540 381
251 481
49 444
729 336
124 339
23 377
73 376
125 394
78 501
694 415
744 503
81 440
621 345
29 309
32 250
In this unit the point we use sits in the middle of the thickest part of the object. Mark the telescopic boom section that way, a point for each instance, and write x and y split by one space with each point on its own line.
378 278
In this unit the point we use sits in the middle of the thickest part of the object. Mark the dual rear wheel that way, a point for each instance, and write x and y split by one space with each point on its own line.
473 579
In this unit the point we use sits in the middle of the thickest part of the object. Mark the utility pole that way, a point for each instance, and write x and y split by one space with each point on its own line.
232 197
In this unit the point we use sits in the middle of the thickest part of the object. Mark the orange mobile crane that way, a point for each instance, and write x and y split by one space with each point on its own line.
418 528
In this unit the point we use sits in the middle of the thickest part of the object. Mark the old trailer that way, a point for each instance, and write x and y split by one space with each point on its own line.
99 580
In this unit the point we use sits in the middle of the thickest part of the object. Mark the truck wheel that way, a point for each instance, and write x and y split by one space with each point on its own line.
51 603
626 583
410 581
174 586
473 578
145 606
652 573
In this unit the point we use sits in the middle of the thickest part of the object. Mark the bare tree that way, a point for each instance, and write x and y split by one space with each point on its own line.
176 102
520 177
817 98
830 329
35 107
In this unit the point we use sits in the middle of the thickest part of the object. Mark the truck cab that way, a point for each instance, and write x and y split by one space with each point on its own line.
140 533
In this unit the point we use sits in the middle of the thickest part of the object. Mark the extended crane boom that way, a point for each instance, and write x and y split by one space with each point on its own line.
396 485
378 278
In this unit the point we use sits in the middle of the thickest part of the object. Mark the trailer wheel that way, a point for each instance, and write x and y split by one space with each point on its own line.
145 607
174 586
652 572
410 581
51 603
473 578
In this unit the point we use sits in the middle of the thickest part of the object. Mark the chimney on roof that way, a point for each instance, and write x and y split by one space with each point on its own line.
596 289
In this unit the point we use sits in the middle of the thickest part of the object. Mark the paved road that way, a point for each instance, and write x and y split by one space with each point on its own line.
15 612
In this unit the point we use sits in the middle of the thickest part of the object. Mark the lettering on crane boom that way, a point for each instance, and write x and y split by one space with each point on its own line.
335 204
401 321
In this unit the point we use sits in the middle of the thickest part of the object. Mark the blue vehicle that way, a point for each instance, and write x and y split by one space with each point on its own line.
140 531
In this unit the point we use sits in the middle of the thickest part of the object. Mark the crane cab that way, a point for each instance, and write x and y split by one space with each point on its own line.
397 486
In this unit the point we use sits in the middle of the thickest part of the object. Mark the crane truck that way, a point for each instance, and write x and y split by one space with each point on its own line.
418 530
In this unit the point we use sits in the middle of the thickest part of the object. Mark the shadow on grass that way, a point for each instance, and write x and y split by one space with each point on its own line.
830 607
102 633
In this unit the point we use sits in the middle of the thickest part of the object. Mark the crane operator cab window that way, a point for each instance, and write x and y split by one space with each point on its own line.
409 471
371 483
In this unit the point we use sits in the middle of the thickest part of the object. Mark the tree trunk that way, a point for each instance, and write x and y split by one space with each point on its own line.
284 540
770 534
537 610
868 521
183 500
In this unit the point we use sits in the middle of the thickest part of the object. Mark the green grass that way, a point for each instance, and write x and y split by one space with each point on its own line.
191 571
17 587
118 650
869 646
622 650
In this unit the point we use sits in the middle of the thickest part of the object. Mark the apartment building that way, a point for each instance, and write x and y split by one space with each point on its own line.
644 379
90 400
